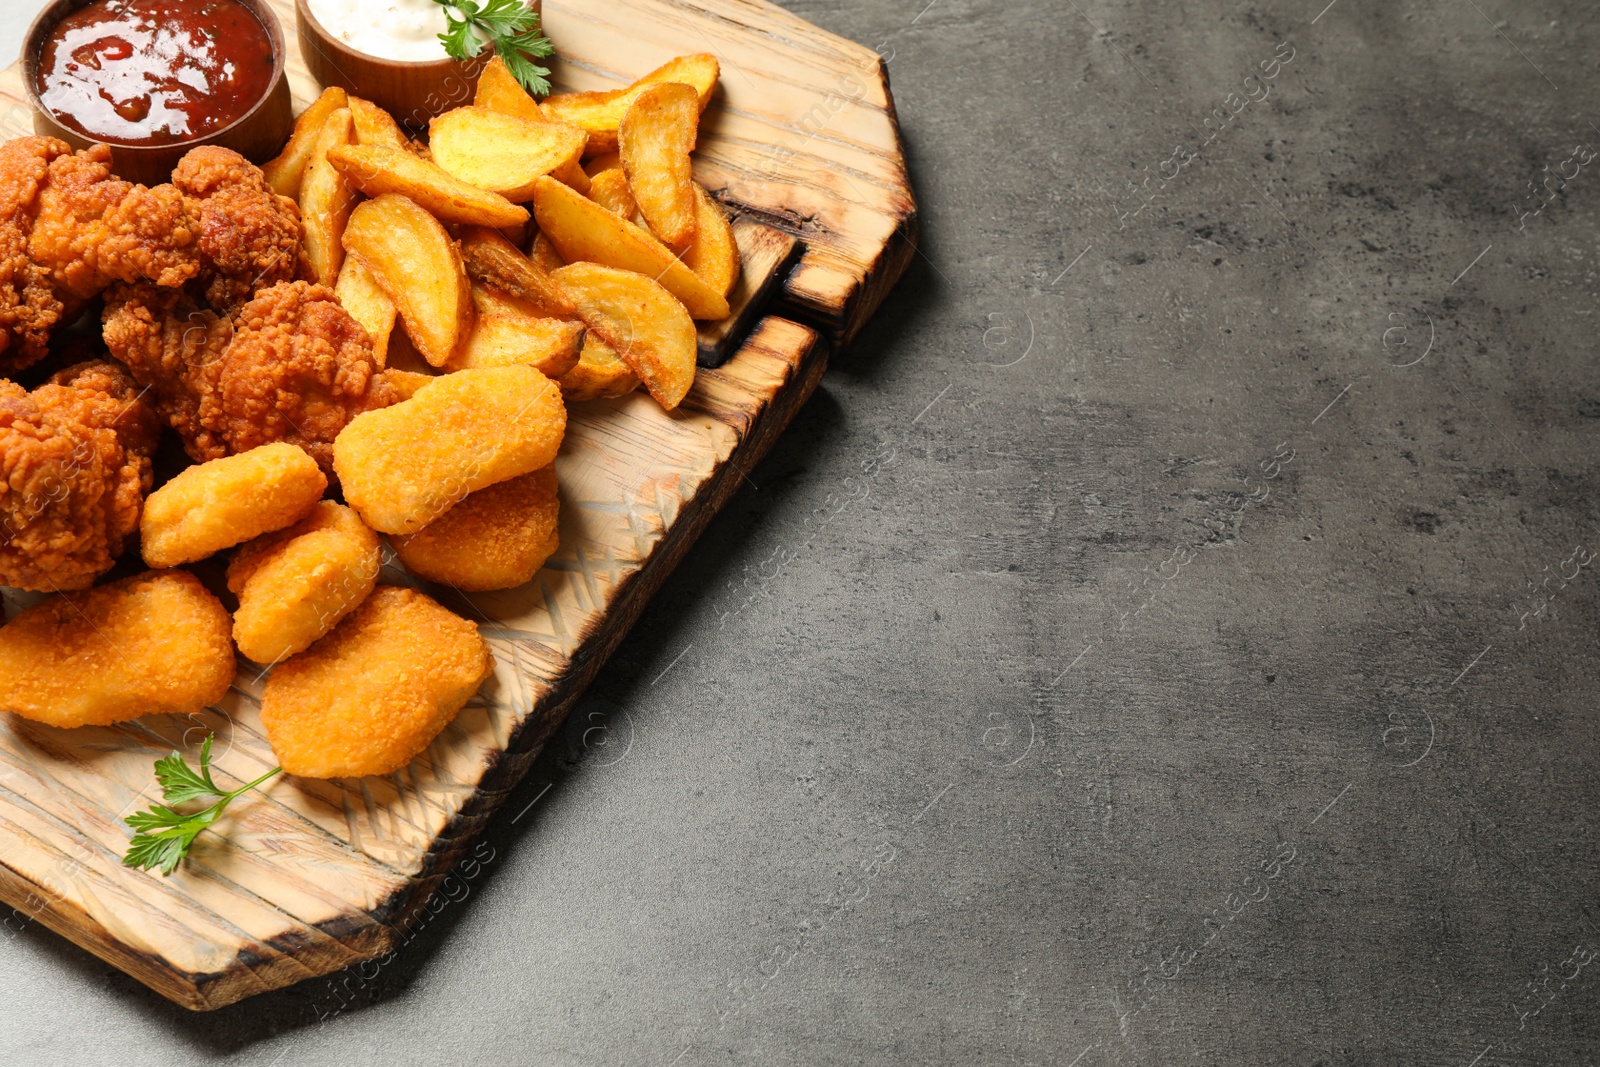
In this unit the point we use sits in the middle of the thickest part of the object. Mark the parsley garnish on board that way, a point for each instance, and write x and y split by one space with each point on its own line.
164 834
511 27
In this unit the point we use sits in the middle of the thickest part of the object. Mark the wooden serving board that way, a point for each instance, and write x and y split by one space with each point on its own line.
308 877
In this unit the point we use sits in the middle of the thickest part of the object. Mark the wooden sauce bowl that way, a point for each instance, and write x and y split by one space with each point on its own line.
412 91
258 134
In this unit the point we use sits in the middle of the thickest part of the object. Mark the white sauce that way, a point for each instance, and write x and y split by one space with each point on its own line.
407 30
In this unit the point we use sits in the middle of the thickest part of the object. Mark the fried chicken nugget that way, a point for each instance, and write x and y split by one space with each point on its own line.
295 585
156 643
225 502
404 466
377 690
497 538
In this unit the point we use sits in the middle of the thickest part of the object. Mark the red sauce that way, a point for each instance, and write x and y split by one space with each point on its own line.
154 71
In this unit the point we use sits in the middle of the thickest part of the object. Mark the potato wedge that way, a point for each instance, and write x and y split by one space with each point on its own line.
326 198
285 173
600 114
403 356
642 321
509 330
500 152
654 140
375 126
600 164
493 260
499 90
499 340
712 255
571 173
489 300
368 304
406 382
582 231
378 169
610 190
544 254
599 372
517 235
415 262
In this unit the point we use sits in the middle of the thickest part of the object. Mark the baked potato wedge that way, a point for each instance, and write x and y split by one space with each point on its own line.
495 261
358 291
654 141
499 90
582 230
500 152
419 267
712 255
641 320
544 254
599 372
375 126
598 165
285 173
600 114
610 190
377 169
326 199
550 345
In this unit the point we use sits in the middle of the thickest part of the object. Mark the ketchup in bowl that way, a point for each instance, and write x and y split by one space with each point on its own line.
151 72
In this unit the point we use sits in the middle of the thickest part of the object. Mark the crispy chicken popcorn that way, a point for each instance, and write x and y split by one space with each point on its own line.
497 538
295 585
370 696
151 644
404 466
224 502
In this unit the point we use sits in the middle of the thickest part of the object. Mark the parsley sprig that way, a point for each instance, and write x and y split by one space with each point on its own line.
163 834
511 27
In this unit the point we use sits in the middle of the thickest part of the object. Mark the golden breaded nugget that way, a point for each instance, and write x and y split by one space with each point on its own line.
296 584
497 538
156 643
403 466
224 502
377 690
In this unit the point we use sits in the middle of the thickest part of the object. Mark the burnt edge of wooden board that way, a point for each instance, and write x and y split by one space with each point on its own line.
842 316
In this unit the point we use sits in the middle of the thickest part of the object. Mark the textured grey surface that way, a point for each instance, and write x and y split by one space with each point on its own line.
1131 663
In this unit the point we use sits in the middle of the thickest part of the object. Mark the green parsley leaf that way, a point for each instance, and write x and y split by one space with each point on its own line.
179 783
511 28
163 834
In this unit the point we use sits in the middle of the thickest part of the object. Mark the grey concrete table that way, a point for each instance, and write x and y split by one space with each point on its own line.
1168 636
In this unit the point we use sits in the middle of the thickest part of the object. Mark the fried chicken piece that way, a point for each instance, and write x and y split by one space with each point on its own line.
299 368
150 644
367 698
226 502
249 235
29 306
68 228
167 341
290 365
74 468
297 584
